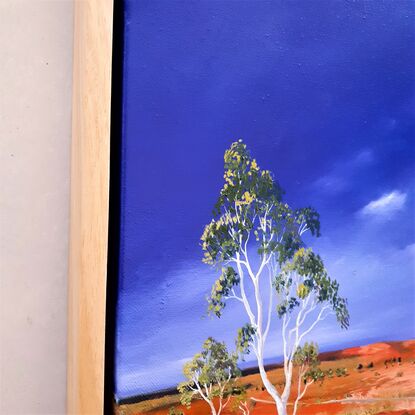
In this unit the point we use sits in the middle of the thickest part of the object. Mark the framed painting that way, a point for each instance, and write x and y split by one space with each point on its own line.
243 235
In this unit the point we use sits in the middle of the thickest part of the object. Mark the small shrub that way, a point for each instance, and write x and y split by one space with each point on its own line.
341 371
174 411
370 365
399 374
359 366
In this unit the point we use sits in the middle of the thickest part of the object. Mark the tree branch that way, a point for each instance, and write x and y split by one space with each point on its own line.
234 296
267 327
243 294
262 400
319 318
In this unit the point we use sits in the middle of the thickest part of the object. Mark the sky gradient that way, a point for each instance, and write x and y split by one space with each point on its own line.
323 94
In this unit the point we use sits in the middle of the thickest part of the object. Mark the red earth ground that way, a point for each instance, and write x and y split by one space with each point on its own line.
382 389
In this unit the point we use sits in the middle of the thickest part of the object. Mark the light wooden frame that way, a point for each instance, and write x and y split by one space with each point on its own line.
93 29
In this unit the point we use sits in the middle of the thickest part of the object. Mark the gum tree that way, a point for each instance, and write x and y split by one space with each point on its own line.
306 360
209 376
256 240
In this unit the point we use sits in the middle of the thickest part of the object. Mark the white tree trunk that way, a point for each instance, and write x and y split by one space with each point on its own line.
256 319
205 397
260 336
212 408
282 409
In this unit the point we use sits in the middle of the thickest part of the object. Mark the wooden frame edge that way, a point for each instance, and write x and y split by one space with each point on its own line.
90 159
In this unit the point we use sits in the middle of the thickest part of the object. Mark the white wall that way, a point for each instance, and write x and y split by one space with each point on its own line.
35 122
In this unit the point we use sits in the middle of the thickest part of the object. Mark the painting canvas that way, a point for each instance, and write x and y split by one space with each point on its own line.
267 250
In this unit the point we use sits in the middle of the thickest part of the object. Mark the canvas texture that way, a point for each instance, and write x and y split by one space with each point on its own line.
267 239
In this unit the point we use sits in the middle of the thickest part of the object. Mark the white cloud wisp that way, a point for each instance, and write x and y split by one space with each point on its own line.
386 205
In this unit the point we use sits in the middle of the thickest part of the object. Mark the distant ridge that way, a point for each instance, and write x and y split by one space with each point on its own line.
173 391
395 346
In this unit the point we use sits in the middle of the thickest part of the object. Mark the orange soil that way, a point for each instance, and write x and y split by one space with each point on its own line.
383 389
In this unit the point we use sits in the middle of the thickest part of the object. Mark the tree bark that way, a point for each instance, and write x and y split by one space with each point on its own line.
212 408
281 408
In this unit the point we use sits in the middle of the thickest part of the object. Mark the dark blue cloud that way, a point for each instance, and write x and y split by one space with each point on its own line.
323 94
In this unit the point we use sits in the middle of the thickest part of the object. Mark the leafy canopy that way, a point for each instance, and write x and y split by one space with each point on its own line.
250 203
306 357
222 288
251 200
244 339
214 366
307 271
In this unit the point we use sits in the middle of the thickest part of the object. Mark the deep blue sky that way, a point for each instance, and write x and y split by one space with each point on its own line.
323 93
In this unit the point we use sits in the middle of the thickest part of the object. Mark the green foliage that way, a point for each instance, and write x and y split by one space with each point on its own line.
306 355
341 372
250 210
186 395
174 411
286 306
314 374
310 268
213 366
250 202
244 339
222 287
241 401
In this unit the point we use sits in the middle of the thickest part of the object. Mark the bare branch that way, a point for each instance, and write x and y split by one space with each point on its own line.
267 327
320 317
234 296
243 294
262 400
